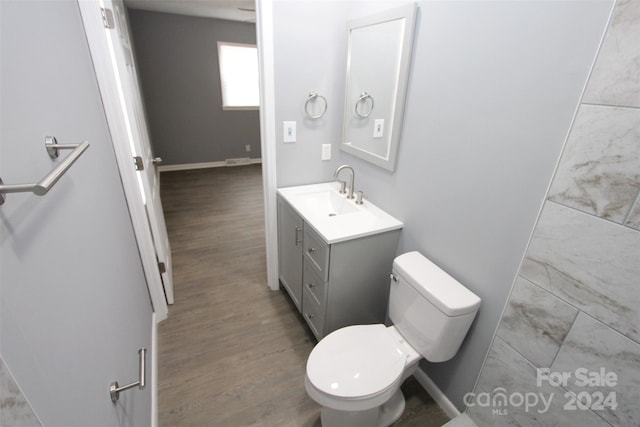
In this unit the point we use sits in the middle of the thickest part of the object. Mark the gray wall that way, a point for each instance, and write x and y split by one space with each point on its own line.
576 302
74 306
492 92
177 58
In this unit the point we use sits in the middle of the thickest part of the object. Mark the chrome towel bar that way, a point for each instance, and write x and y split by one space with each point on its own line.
115 389
43 186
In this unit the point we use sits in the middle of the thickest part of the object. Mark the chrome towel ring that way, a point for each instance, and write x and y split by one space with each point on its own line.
312 97
364 96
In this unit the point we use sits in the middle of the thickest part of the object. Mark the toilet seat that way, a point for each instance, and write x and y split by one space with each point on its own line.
361 362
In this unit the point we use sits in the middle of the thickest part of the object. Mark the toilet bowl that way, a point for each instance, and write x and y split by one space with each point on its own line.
355 372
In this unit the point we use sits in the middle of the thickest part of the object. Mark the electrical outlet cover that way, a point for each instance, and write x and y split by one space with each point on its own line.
326 151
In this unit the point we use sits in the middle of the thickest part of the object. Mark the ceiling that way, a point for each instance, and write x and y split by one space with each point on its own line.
234 10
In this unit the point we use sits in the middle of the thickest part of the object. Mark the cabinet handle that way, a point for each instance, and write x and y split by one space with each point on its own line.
311 285
310 316
311 250
298 230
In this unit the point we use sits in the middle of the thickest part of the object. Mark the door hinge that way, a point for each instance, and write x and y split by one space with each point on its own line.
137 161
162 267
107 18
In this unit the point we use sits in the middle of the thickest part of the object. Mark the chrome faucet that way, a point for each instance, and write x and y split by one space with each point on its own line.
353 177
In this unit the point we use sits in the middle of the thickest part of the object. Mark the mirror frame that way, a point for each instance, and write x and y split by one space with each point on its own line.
394 124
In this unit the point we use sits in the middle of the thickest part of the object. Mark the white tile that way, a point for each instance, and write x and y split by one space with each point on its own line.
14 409
461 420
508 370
633 219
535 322
615 79
591 346
599 172
591 263
484 416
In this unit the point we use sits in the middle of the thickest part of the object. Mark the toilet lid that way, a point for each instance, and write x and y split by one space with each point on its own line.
355 361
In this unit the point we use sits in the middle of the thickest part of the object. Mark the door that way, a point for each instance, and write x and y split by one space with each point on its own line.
117 31
74 305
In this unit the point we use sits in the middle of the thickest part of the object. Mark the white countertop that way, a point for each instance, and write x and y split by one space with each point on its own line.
356 221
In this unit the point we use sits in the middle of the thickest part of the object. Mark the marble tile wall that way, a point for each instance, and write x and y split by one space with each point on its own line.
14 409
592 264
575 306
600 169
537 320
615 79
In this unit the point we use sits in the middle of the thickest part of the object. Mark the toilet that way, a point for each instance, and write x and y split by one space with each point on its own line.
355 372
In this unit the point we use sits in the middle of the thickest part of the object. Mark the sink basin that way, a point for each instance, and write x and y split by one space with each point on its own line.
327 202
335 217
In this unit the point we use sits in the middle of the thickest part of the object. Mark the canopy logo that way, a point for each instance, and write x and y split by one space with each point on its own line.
593 395
500 401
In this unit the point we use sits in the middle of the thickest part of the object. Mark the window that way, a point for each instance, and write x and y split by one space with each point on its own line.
239 76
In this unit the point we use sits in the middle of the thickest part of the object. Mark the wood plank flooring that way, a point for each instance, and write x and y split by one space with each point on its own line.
232 352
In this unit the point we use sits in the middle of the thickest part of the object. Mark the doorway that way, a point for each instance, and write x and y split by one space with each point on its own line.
177 59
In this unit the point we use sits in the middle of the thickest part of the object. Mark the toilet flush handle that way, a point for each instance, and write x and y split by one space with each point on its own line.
393 277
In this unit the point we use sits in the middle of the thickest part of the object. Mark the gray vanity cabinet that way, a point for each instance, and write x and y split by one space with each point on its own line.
290 251
334 285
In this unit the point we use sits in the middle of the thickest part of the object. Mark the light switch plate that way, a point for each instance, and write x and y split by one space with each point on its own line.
289 131
326 151
378 128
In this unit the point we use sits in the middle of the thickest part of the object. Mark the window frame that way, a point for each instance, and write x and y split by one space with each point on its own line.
220 66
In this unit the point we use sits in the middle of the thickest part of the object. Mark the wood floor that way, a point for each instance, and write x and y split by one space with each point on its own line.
232 352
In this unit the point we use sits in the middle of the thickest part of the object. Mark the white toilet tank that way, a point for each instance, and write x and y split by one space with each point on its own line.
431 309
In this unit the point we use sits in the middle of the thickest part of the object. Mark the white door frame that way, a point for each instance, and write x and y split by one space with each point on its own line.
264 33
109 90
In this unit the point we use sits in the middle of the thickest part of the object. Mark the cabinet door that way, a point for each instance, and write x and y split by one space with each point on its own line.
290 251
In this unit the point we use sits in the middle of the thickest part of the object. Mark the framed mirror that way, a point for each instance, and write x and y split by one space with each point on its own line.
378 61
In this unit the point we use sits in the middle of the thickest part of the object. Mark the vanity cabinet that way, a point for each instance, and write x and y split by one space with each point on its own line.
334 284
290 251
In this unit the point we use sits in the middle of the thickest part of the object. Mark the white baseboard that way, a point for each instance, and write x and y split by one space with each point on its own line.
437 395
203 165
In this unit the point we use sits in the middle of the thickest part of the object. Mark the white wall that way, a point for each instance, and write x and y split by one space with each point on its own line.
309 55
75 308
493 89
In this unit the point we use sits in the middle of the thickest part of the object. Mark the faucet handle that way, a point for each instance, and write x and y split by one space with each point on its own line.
343 186
359 196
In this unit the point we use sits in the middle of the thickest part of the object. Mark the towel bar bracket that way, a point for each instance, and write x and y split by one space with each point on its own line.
115 388
52 146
